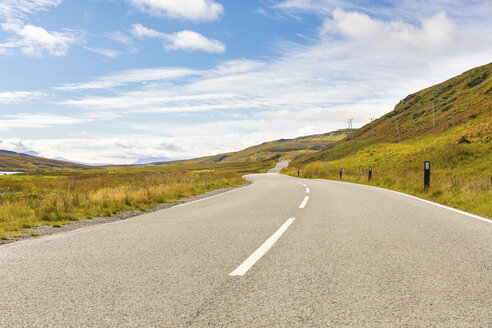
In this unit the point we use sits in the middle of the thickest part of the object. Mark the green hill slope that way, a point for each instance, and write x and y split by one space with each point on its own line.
26 163
456 139
274 150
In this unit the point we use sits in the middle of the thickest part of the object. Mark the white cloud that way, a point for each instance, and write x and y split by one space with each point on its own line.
304 5
19 9
436 32
184 40
36 41
141 32
118 36
127 148
30 39
406 9
351 72
156 102
15 97
194 10
191 41
37 120
167 74
307 89
128 77
103 51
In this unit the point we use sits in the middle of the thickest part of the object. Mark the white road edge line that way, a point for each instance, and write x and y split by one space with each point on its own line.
304 202
262 250
477 217
205 198
307 190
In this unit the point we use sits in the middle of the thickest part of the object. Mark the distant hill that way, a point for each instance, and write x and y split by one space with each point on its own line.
462 114
456 139
8 152
150 160
12 161
276 150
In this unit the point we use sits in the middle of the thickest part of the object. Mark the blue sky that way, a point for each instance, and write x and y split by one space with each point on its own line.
114 81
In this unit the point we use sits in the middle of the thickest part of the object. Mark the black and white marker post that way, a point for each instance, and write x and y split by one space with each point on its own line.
427 174
341 172
370 173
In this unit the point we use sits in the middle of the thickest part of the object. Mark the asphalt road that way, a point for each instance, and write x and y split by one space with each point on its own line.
352 256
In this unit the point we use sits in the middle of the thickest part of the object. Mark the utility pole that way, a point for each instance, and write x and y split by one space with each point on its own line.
372 126
397 130
350 127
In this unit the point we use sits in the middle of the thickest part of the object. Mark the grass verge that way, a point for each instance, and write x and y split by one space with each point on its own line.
57 198
461 171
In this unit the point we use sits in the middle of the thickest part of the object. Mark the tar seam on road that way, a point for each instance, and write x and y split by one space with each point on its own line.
262 250
304 202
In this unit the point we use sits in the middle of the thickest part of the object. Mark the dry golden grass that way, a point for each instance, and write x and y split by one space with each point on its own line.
57 198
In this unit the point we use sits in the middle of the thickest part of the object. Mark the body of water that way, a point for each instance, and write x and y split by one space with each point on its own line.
8 173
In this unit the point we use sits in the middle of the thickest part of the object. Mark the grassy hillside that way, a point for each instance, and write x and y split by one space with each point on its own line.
458 144
275 150
59 197
8 152
24 163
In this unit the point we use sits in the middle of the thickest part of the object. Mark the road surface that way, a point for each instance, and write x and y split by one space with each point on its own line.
280 165
281 252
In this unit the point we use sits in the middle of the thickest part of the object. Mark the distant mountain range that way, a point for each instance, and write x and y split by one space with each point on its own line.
8 152
22 162
150 160
274 150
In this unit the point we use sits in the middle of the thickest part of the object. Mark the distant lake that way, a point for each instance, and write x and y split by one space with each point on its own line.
8 173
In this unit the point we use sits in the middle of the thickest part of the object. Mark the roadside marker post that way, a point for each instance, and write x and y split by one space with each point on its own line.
341 172
427 174
370 173
298 172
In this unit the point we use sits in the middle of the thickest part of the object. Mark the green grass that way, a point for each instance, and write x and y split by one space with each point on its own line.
457 142
276 150
57 198
460 171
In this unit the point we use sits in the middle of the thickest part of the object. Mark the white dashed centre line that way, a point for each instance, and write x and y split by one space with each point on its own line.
307 190
304 202
262 250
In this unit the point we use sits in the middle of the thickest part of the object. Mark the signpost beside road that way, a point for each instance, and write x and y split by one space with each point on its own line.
427 174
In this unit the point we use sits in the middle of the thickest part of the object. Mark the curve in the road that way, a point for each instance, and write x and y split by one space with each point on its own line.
356 256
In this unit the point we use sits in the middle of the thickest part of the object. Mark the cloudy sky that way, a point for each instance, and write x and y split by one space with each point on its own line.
112 81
